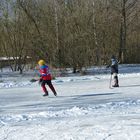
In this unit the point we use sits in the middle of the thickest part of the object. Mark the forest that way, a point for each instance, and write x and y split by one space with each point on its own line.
69 33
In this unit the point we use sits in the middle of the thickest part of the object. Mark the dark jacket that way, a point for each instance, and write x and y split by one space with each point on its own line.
114 65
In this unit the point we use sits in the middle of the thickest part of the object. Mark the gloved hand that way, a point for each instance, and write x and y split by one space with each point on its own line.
107 66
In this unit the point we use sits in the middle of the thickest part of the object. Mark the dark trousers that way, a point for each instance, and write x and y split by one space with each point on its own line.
116 81
49 83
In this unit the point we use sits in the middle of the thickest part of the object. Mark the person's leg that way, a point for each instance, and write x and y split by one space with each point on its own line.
49 83
44 88
116 83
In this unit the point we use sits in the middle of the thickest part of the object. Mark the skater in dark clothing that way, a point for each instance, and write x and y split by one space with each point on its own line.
114 70
45 77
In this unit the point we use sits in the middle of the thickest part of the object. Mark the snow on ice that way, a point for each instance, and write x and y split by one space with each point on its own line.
85 108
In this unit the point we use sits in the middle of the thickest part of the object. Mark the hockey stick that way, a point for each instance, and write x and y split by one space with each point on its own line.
35 74
110 81
33 80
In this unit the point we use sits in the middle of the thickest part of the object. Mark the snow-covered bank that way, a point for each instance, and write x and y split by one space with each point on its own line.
14 80
19 83
111 121
50 113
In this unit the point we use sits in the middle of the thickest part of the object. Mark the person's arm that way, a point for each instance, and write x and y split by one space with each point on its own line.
108 66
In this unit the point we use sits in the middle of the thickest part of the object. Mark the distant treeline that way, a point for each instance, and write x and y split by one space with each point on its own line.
70 33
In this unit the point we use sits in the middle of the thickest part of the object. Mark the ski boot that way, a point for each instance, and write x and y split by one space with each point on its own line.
46 94
55 94
116 82
116 85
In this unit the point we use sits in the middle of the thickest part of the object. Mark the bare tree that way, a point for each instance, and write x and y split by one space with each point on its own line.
15 39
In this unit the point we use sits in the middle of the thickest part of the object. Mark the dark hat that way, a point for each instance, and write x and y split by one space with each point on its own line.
112 57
